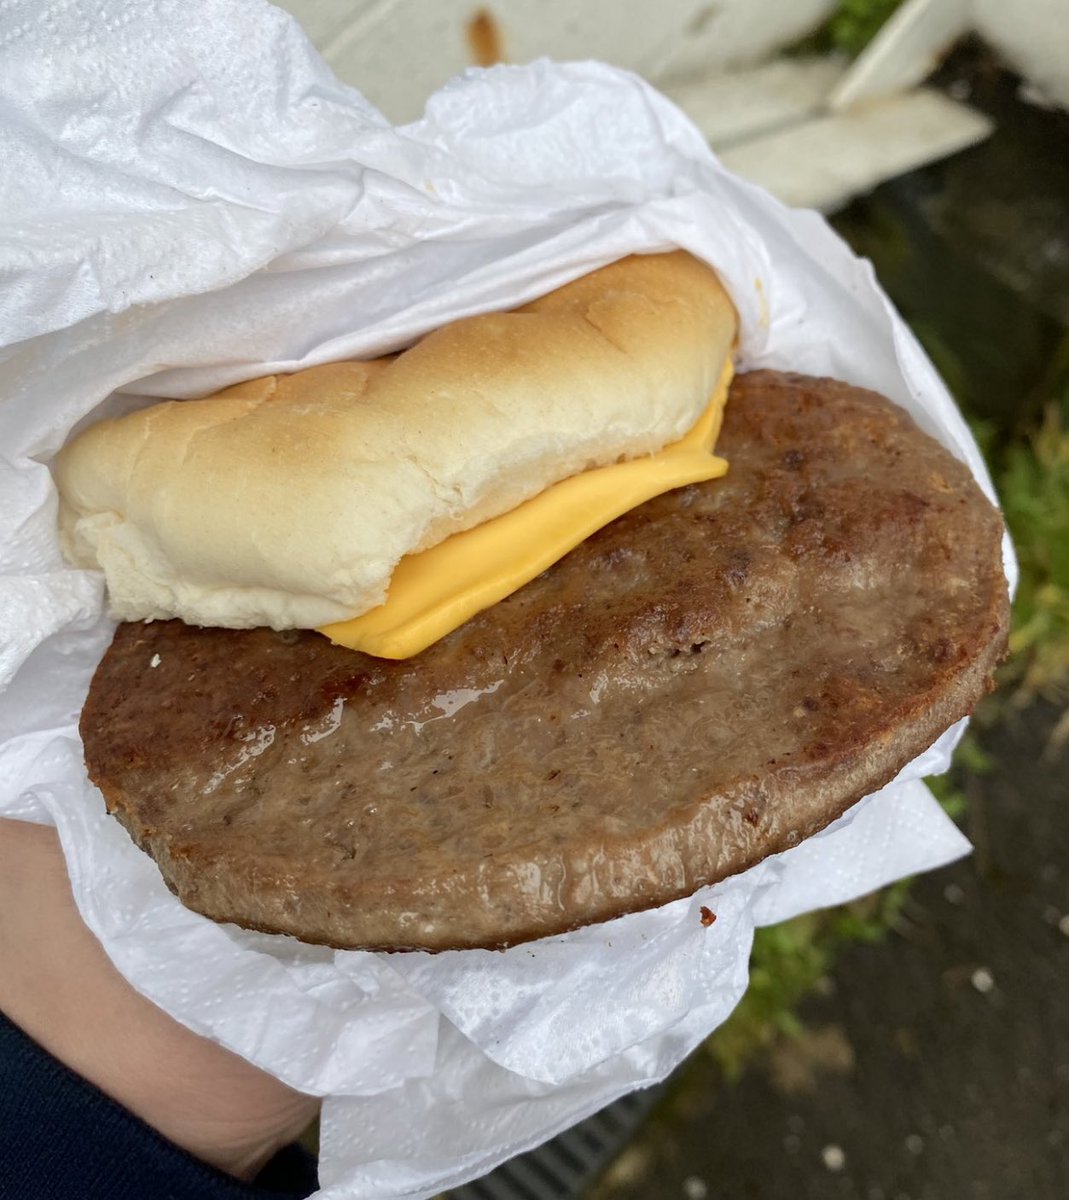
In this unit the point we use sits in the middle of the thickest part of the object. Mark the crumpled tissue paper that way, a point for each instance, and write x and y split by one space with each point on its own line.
192 199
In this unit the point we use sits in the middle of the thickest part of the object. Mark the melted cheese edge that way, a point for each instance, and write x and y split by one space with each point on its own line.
437 590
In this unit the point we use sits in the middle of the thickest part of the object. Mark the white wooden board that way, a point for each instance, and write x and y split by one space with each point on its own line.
904 53
732 108
823 162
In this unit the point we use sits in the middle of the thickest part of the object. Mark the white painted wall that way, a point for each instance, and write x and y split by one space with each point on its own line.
399 51
1033 37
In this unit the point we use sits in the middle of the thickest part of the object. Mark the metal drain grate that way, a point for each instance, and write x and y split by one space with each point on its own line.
564 1168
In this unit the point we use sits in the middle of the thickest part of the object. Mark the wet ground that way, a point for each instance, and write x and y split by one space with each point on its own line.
935 1066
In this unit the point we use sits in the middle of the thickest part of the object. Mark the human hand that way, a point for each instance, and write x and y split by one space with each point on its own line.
57 983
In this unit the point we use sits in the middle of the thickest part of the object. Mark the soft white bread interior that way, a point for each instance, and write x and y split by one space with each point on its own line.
288 501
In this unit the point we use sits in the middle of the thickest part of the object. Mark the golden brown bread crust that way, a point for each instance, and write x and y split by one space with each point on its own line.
705 682
288 501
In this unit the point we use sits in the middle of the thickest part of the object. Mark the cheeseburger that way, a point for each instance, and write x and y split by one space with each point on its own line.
482 642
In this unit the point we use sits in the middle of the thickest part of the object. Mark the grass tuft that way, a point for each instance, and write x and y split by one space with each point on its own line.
1032 477
856 23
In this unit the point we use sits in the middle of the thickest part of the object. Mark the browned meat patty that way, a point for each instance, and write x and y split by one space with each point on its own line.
708 680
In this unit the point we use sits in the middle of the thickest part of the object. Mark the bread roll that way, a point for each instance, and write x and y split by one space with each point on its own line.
288 501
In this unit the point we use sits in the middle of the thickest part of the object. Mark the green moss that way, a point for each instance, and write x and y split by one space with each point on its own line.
788 962
1032 477
856 23
849 29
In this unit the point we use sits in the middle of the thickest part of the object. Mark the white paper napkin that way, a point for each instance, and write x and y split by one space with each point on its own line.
189 199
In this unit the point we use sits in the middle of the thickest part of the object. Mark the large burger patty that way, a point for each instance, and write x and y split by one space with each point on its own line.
707 681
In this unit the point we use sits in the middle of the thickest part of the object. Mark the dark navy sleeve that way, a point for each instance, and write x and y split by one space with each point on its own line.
63 1139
